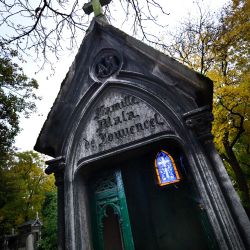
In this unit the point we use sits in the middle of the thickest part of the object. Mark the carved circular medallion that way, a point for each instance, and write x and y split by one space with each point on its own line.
106 64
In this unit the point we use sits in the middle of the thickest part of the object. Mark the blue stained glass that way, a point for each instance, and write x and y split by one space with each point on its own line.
166 169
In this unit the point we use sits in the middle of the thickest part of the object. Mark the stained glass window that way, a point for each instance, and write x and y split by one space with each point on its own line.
166 170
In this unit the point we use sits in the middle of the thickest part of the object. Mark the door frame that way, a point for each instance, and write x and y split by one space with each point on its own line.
87 166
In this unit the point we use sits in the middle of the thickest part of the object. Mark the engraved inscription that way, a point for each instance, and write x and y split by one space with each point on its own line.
121 121
130 131
125 102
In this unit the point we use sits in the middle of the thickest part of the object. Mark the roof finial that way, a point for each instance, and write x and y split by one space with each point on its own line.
95 6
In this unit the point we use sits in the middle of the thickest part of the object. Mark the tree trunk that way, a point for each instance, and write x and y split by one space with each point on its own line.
240 177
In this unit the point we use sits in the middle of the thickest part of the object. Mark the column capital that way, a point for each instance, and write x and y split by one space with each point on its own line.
200 121
56 166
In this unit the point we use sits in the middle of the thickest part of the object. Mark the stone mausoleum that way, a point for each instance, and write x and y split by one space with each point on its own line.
26 238
134 159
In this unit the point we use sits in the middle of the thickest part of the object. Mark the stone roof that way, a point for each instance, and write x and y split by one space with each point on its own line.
77 84
32 223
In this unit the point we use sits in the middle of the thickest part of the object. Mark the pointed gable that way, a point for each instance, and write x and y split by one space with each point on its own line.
159 73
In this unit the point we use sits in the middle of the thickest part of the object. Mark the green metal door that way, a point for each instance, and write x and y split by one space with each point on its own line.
110 219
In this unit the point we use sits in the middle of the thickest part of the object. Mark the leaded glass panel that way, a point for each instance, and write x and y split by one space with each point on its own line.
166 170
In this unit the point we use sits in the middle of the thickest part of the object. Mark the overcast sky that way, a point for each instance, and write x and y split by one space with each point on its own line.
49 85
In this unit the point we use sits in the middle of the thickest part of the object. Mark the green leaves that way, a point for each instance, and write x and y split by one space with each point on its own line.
231 77
49 215
220 50
23 188
16 97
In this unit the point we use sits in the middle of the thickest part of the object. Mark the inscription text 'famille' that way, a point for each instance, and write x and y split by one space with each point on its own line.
116 122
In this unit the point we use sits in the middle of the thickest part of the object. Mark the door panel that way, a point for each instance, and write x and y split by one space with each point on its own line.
112 238
110 219
131 211
161 217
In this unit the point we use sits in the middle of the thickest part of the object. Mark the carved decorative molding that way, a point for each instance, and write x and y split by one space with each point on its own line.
200 121
56 166
106 63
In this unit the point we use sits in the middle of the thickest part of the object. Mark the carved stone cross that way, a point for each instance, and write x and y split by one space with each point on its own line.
95 6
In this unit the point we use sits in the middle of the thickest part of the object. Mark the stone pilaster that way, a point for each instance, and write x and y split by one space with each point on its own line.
200 122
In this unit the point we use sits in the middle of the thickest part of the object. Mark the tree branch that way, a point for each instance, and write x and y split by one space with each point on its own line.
240 127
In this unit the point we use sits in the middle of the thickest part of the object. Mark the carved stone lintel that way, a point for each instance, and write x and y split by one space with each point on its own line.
56 166
200 121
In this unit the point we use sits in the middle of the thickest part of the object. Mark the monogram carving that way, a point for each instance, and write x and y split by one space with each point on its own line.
107 63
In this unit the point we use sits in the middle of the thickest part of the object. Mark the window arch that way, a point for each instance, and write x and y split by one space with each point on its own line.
166 170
